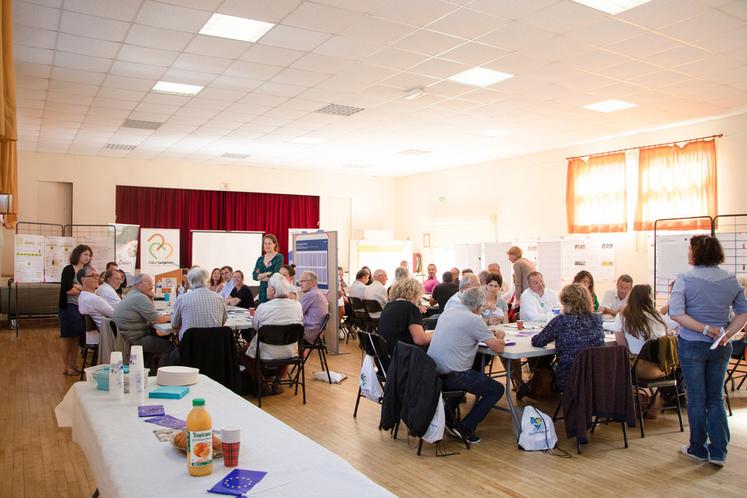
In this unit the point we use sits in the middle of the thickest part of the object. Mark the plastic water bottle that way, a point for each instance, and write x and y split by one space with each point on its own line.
116 376
137 375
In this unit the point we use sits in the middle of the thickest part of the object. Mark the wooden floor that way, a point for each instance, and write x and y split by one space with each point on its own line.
38 459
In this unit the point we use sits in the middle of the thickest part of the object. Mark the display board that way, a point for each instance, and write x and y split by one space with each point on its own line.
560 260
29 258
126 241
380 254
100 238
468 256
56 256
159 250
293 231
239 250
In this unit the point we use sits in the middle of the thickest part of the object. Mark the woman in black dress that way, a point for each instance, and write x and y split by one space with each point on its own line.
72 325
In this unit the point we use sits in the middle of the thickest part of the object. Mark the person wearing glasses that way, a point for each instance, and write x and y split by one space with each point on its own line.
314 304
91 304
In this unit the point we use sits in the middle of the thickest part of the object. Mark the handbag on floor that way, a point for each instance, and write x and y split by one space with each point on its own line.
537 431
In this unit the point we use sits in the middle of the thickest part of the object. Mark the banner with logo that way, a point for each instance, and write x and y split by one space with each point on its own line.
159 250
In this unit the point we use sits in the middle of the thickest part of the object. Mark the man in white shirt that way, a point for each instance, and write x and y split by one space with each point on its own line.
108 288
615 299
89 303
226 274
468 281
199 308
377 290
358 288
537 303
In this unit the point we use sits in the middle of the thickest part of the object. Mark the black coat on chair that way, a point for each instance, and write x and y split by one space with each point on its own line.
213 351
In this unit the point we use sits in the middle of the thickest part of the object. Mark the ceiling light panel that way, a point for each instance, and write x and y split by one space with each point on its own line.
612 7
176 88
340 110
480 76
610 105
235 28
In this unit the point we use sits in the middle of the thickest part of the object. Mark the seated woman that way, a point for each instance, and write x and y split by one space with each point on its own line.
241 295
215 283
494 303
637 323
289 271
584 278
401 319
576 329
108 289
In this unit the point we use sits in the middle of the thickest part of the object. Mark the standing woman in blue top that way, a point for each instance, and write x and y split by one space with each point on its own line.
267 264
700 302
72 325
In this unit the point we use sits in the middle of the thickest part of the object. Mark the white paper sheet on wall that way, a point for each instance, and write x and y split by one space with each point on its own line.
550 262
56 256
28 258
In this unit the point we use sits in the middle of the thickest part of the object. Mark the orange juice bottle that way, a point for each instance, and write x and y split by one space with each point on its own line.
199 440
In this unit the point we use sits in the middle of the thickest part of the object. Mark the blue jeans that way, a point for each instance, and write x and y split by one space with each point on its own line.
487 390
704 371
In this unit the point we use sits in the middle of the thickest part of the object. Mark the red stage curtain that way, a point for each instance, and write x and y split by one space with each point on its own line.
215 210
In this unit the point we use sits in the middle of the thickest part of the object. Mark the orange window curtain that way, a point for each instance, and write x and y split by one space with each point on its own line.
596 194
8 129
677 182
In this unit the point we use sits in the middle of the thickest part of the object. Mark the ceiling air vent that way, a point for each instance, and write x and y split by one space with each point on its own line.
143 125
231 155
414 152
120 147
340 110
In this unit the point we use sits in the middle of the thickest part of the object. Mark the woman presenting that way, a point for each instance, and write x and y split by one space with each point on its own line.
267 264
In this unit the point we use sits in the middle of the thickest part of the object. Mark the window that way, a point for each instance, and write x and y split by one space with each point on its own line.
676 182
596 194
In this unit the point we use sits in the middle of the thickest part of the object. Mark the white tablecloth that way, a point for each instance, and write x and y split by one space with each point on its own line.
127 460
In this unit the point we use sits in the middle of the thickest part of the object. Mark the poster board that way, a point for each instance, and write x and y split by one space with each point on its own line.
291 233
218 248
56 256
317 252
159 250
468 256
168 283
384 254
101 240
125 246
28 258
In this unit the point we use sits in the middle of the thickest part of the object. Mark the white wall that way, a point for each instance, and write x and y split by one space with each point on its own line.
95 179
527 193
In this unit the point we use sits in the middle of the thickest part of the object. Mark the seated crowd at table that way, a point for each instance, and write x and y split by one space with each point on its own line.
468 311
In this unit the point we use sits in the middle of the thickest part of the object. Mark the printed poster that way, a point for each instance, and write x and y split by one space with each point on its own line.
159 250
102 245
29 258
56 256
126 246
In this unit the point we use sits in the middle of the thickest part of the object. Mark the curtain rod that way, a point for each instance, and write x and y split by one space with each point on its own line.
645 146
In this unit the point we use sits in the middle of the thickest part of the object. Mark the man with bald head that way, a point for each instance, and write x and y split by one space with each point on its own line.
469 281
377 290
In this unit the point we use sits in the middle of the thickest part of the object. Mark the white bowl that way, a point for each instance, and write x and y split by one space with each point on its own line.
177 376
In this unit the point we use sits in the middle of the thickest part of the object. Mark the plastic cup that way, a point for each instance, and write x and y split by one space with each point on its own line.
519 324
231 441
251 311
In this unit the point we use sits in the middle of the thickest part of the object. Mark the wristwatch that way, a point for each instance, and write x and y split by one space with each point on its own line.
706 329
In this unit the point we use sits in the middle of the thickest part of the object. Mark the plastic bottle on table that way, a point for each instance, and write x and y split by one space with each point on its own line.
137 374
199 440
116 375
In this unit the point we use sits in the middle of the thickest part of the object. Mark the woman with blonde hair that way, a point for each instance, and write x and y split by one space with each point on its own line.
401 319
576 329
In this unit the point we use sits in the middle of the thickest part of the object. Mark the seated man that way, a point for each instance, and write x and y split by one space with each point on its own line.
377 290
454 344
136 313
108 288
538 303
199 308
278 310
443 291
614 300
314 304
468 281
431 282
358 288
89 303
226 273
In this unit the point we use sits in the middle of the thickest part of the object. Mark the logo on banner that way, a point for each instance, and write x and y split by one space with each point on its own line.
160 249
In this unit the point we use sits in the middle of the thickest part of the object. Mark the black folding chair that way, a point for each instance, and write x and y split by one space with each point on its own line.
649 352
86 348
281 335
362 320
374 346
213 351
373 308
738 369
320 345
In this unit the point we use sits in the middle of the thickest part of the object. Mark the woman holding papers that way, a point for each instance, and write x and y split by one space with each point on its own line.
267 264
700 303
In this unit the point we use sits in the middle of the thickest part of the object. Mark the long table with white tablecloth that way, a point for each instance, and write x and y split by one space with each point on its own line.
127 460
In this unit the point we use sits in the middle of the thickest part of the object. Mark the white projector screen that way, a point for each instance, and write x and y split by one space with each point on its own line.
239 250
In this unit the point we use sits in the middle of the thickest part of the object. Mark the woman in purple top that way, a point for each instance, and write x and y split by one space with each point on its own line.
701 301
576 329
